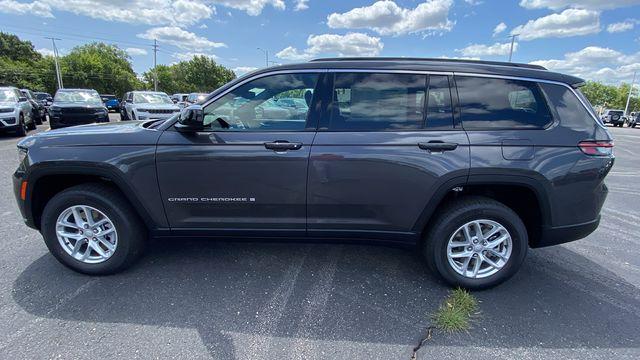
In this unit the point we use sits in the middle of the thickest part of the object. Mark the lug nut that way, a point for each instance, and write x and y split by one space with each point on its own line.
470 248
86 226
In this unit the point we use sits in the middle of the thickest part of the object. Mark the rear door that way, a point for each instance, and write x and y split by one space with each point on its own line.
247 171
386 144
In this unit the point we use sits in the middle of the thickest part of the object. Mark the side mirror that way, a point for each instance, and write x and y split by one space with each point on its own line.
22 99
191 119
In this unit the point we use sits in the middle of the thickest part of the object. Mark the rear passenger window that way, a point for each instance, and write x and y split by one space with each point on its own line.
489 103
378 102
439 114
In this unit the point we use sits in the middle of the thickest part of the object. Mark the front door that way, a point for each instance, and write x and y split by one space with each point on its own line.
247 172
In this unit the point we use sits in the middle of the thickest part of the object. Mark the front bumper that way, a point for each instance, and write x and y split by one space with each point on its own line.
17 178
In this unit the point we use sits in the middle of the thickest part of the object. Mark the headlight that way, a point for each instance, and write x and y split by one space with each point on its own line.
22 154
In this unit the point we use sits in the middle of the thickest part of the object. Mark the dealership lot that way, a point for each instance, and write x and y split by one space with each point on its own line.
222 300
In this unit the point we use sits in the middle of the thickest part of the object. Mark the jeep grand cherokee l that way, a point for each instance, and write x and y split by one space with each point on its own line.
76 107
470 162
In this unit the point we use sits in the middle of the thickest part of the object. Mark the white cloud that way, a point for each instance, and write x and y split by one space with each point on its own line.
621 26
473 2
352 44
240 70
570 22
45 51
596 63
37 8
252 7
497 49
499 28
580 4
387 18
186 56
135 51
183 39
149 12
301 5
203 26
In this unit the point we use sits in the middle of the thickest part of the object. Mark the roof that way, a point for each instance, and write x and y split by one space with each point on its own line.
436 65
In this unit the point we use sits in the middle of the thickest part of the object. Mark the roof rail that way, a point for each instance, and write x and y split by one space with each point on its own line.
460 61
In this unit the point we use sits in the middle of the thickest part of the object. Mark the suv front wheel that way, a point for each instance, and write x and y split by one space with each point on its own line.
92 229
476 243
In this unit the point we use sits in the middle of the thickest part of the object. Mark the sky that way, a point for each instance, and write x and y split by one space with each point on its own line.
594 39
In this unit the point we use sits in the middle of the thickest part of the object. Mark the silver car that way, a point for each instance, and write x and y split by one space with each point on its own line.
15 112
143 105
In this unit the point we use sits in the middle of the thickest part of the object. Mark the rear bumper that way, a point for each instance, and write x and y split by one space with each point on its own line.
564 234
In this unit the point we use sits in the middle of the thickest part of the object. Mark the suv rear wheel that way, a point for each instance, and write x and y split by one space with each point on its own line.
476 243
92 229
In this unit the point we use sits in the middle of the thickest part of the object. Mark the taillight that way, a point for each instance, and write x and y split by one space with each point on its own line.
596 148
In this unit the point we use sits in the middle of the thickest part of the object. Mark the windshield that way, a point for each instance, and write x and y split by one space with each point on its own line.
152 98
108 97
42 96
8 95
78 96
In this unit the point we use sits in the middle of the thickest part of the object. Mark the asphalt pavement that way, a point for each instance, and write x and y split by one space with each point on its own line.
199 299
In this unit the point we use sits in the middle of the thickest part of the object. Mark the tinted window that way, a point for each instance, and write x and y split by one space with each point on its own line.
254 106
378 102
439 114
571 112
501 103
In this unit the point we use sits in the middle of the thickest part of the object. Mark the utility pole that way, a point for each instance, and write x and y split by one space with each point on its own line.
266 56
155 69
513 39
55 60
633 82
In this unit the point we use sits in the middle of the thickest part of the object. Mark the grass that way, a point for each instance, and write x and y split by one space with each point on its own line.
456 311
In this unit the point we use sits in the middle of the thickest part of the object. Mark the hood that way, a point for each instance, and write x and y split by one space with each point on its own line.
156 106
123 133
77 105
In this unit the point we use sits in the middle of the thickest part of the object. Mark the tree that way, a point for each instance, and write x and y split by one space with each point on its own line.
609 96
12 48
20 63
200 74
104 68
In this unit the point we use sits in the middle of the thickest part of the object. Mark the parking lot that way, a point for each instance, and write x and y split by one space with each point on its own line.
222 300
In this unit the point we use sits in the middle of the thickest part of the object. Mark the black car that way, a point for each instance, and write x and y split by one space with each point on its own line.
45 99
37 109
76 107
470 163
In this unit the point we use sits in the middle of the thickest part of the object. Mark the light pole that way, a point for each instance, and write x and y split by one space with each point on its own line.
266 55
55 59
633 82
513 39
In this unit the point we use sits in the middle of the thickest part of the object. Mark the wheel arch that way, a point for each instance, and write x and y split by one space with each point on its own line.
525 195
46 181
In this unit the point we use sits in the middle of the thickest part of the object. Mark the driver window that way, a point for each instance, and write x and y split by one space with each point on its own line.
271 103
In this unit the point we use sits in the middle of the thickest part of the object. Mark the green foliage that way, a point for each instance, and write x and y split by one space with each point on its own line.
455 312
609 96
12 48
20 64
104 68
200 74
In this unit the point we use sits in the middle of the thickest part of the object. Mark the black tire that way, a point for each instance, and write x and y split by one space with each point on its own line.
123 115
633 126
131 231
460 212
21 131
32 125
38 119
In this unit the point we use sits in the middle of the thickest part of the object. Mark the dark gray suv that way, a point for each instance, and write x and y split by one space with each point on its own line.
470 162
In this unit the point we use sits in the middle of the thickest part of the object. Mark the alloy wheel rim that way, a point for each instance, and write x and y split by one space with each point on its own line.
86 234
479 249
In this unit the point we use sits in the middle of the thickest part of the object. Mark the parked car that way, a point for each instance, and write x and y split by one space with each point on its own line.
37 109
45 99
469 162
15 112
145 105
634 119
180 99
613 117
110 102
193 98
76 107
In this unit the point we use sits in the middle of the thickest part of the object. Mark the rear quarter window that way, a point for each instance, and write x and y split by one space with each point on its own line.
570 110
493 103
